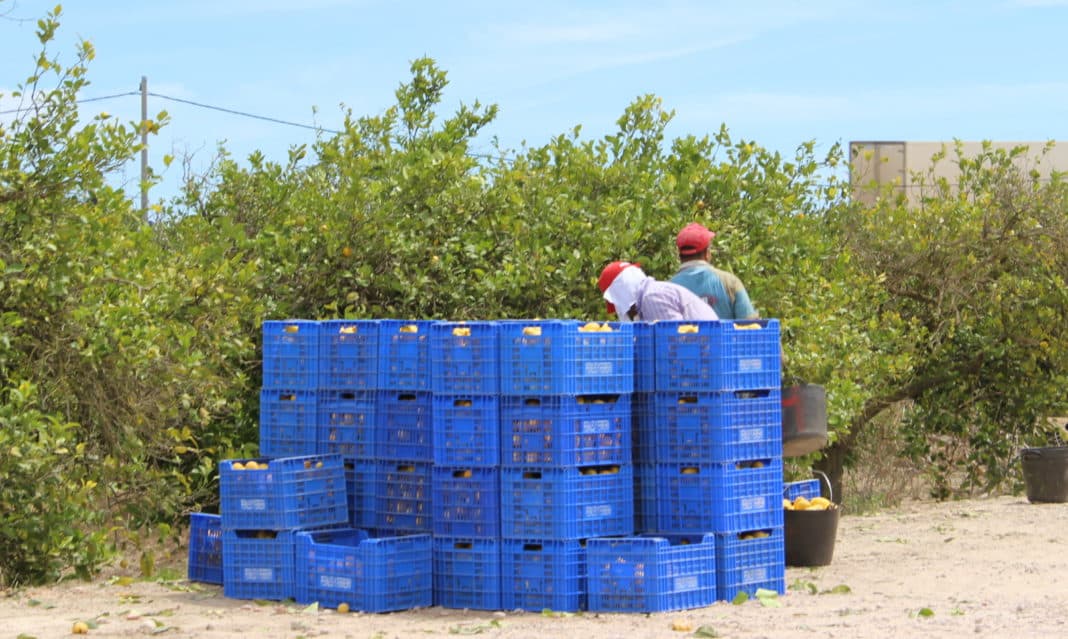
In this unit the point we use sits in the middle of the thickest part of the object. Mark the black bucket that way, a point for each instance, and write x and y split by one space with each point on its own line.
809 536
1045 472
804 419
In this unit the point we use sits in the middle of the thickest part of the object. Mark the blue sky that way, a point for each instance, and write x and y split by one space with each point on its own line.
777 72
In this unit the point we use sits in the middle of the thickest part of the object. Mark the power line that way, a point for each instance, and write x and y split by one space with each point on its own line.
97 99
243 114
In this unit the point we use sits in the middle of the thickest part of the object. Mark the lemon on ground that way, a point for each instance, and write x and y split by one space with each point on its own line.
342 607
79 628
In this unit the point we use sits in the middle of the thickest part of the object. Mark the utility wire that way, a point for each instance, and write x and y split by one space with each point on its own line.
103 97
243 113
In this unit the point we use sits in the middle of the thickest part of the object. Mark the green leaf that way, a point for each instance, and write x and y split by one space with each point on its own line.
768 598
840 589
705 631
926 612
740 598
311 609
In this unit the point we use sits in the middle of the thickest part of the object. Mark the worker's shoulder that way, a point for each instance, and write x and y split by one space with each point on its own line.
730 280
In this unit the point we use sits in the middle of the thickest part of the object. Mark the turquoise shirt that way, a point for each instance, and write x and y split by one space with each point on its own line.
722 290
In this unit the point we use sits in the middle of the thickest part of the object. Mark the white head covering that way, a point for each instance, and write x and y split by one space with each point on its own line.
623 293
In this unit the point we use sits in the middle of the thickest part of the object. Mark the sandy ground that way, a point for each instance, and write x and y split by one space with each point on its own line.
982 568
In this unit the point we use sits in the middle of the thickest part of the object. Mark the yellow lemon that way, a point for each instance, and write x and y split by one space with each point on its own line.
819 503
342 607
79 628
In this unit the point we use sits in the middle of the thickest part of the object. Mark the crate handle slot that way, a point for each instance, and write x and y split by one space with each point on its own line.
463 545
753 394
532 330
688 328
292 328
462 331
691 470
461 402
533 401
348 395
405 468
347 330
406 397
532 474
287 397
462 474
532 547
749 326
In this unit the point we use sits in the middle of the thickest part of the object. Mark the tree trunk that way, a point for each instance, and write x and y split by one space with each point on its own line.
832 463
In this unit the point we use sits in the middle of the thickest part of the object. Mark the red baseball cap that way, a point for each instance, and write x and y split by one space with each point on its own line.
609 275
693 239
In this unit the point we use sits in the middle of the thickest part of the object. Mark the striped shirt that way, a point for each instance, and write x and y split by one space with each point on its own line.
666 301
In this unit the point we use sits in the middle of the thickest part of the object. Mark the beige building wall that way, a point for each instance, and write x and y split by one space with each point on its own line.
906 165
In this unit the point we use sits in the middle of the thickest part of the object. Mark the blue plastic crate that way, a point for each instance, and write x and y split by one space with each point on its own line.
404 355
464 358
348 354
565 430
369 574
714 426
543 574
291 354
405 426
719 498
749 560
205 548
556 357
258 564
284 493
720 355
467 429
403 493
467 573
807 488
644 357
651 574
466 501
288 422
567 503
360 485
345 423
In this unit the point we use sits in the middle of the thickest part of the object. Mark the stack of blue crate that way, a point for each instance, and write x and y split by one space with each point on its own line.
289 395
348 402
465 381
264 503
403 430
709 452
565 450
653 572
287 518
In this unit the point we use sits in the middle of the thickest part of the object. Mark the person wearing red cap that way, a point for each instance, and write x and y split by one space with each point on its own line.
721 290
625 285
